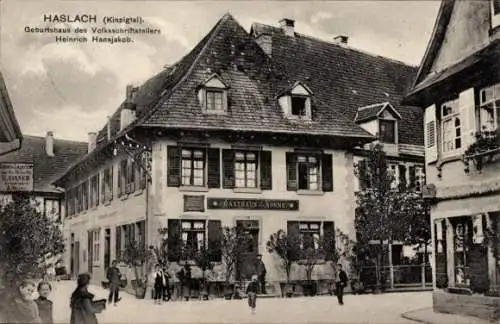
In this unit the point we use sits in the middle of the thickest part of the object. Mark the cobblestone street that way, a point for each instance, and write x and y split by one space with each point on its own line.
386 308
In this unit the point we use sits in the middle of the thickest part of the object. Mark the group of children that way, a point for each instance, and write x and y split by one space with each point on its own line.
24 309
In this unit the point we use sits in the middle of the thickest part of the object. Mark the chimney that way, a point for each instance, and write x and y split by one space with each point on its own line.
92 141
49 143
127 113
288 25
341 40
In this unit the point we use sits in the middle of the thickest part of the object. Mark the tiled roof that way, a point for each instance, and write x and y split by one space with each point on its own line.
254 82
46 168
373 111
344 79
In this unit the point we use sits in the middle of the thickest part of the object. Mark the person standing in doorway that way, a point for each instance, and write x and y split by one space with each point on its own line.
114 276
340 283
261 271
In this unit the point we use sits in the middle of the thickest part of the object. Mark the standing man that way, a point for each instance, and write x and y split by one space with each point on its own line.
341 282
261 271
114 277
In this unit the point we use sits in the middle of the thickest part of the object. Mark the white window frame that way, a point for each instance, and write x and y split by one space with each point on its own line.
309 173
246 171
489 115
185 231
452 117
192 167
96 247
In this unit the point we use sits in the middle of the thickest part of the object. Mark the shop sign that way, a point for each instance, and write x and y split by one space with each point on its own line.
256 204
16 177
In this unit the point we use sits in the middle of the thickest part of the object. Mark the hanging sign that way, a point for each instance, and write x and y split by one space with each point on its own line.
16 177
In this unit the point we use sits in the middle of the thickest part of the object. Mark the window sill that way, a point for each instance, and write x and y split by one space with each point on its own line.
248 190
193 188
310 193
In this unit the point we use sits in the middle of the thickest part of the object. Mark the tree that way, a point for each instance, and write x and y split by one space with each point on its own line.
28 239
233 243
312 255
286 246
135 256
385 213
203 259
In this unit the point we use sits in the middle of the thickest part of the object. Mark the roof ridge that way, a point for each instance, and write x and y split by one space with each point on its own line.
373 105
55 138
314 38
212 33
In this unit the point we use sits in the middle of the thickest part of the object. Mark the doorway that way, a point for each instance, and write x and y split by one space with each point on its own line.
107 248
77 258
246 263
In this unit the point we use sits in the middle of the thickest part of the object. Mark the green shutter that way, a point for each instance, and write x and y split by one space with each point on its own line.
327 172
329 240
293 233
174 240
213 168
118 241
228 169
291 171
173 166
266 167
214 240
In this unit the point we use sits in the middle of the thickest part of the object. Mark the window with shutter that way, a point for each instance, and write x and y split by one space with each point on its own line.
118 242
245 169
451 127
266 174
103 187
173 166
213 168
214 240
327 172
193 167
430 138
228 169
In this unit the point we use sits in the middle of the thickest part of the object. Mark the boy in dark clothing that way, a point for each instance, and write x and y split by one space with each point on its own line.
252 289
166 289
43 303
341 282
114 276
261 271
159 284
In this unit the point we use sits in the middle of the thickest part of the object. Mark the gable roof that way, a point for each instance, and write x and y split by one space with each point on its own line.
46 168
374 111
344 79
234 55
437 36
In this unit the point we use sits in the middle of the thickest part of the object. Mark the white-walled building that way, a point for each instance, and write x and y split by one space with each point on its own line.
253 130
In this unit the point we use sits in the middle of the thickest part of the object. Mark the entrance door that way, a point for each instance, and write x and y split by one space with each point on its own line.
246 264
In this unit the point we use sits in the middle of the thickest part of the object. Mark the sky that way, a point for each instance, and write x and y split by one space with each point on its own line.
70 89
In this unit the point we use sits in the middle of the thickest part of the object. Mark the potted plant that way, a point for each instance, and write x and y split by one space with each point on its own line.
202 259
135 256
312 254
232 243
286 247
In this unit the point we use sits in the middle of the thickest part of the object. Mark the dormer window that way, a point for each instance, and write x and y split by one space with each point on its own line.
299 106
296 102
215 100
213 95
387 131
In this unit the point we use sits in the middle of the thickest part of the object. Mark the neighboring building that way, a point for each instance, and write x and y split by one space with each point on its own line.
253 130
458 84
10 133
49 158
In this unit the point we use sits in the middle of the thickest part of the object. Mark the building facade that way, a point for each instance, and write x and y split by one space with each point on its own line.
458 85
240 133
10 132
